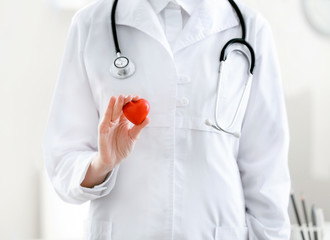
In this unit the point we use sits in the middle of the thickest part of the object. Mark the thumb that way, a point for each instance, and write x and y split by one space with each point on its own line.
134 132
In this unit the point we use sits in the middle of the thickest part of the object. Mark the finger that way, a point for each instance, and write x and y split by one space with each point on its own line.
136 97
109 110
134 132
118 108
128 99
123 119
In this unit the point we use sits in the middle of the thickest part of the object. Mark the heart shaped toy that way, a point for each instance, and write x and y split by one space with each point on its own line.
136 111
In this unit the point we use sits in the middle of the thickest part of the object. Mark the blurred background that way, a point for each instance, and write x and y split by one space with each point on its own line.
32 37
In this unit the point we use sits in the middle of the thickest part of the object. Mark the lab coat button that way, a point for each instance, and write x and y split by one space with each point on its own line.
182 102
184 79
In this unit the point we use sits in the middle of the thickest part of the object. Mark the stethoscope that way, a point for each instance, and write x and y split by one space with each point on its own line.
123 68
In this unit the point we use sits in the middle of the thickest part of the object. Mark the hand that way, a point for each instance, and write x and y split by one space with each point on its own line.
115 139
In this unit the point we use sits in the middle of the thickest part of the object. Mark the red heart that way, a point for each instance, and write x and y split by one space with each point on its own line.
136 111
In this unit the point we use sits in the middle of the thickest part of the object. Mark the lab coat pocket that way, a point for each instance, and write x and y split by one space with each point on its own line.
233 91
231 233
99 230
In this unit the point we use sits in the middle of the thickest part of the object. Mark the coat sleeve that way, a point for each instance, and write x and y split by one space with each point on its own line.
71 136
263 148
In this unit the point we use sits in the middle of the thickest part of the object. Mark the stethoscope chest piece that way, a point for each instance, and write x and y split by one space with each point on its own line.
122 67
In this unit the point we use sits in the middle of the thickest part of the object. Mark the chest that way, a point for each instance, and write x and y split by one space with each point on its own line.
183 85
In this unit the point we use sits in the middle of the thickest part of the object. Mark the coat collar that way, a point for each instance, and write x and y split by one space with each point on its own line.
187 5
209 17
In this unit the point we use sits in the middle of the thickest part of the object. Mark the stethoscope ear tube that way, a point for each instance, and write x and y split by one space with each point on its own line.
245 43
241 105
208 123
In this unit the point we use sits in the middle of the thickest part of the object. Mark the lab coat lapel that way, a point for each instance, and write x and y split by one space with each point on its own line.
209 17
139 14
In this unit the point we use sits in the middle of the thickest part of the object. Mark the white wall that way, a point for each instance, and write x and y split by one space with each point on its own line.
32 38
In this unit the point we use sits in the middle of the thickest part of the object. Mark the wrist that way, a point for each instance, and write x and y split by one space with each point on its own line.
100 167
96 173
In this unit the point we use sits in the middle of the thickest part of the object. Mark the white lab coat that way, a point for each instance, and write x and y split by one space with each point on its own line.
184 180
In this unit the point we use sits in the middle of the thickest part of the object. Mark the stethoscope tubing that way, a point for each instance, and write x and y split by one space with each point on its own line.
222 59
245 43
240 16
113 27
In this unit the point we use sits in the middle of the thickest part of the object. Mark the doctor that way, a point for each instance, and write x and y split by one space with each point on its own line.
173 177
